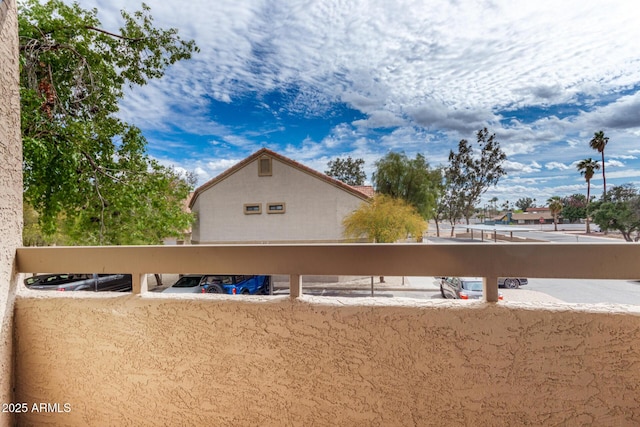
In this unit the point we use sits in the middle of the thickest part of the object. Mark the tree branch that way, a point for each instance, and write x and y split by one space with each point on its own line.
118 36
97 168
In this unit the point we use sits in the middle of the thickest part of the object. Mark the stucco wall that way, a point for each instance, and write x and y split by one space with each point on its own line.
211 360
10 190
308 200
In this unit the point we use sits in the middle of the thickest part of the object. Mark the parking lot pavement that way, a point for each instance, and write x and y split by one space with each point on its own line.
426 282
405 283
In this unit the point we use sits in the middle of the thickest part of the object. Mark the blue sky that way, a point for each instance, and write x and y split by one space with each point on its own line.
316 80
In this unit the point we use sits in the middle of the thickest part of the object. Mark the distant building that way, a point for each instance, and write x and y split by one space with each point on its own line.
531 216
269 198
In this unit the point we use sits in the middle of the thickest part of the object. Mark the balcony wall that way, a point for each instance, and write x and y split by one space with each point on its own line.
10 190
155 359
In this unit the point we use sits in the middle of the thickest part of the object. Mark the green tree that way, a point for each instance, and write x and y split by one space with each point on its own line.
574 207
587 168
599 142
468 175
619 210
450 204
555 206
524 203
411 180
81 162
444 203
384 220
31 233
347 170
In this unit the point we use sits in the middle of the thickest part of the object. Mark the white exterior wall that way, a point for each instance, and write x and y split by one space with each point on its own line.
314 208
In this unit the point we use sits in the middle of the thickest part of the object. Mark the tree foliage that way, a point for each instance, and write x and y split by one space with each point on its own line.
525 203
555 207
469 175
619 210
598 143
411 180
587 169
384 220
347 170
81 162
574 207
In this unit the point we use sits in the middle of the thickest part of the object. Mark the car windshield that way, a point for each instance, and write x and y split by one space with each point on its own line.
472 286
187 282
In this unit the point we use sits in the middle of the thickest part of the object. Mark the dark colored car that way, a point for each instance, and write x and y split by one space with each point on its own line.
81 282
49 279
462 288
512 282
222 284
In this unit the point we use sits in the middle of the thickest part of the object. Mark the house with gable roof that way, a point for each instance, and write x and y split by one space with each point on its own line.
269 198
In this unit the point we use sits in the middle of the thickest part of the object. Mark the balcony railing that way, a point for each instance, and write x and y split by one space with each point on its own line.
490 261
203 360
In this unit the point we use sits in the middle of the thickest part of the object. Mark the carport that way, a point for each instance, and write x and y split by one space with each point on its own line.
495 229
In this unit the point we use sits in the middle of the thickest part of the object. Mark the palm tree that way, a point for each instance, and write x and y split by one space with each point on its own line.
587 168
555 206
493 201
598 142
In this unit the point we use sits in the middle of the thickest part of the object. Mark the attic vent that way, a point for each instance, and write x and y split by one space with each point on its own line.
264 166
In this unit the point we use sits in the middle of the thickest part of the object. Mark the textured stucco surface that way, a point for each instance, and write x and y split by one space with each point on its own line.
214 360
10 190
220 216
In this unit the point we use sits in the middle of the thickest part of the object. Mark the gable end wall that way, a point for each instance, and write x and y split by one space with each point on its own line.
314 209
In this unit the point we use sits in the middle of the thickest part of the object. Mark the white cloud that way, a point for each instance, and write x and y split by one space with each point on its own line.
222 164
380 119
557 165
629 173
474 55
466 121
622 114
203 175
614 163
443 66
516 167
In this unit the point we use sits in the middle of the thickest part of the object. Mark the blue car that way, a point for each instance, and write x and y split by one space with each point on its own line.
237 284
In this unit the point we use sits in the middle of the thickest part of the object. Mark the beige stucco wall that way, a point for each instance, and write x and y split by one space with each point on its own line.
314 208
10 191
211 360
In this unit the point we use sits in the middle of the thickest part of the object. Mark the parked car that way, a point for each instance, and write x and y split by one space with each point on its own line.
81 282
462 288
49 279
222 284
237 284
512 282
189 284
